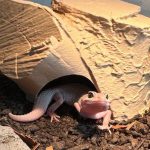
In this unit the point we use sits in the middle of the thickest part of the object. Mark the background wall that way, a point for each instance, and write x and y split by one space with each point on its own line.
145 6
43 2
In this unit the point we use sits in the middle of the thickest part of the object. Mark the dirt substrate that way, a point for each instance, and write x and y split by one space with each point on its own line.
72 132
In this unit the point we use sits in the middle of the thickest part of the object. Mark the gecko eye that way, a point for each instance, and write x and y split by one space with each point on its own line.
90 95
107 96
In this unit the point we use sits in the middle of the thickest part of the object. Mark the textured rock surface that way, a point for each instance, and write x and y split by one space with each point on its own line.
22 33
116 48
104 8
11 141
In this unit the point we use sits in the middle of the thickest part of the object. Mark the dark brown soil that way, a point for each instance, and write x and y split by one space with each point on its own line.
72 132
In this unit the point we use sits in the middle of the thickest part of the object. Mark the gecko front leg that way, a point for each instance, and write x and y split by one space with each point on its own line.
106 115
51 109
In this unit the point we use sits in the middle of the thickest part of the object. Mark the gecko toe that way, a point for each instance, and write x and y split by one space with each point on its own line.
105 128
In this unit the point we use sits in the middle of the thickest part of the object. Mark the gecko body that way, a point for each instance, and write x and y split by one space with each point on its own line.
89 104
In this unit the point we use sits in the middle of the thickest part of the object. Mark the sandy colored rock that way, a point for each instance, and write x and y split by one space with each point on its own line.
11 141
115 48
135 21
104 8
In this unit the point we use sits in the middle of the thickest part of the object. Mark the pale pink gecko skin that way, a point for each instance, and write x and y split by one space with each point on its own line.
74 94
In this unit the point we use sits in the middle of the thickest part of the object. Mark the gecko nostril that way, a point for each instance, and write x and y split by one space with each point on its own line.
107 96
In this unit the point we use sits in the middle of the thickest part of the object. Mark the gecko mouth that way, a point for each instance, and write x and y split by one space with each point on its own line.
94 102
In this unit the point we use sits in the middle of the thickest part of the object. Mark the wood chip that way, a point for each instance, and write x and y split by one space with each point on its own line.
80 147
140 144
118 126
49 148
129 126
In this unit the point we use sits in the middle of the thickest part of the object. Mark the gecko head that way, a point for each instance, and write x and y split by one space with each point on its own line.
93 103
94 98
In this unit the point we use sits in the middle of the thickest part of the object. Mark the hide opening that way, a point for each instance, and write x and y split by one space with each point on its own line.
70 79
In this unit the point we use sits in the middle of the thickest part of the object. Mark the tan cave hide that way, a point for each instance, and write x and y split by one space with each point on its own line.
108 39
34 48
